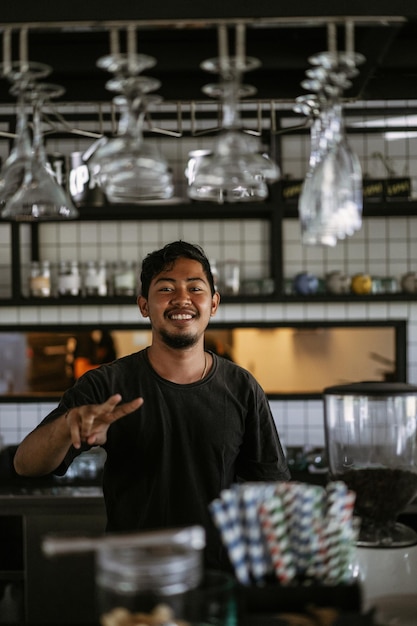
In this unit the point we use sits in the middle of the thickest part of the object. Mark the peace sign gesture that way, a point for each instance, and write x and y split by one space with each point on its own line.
89 423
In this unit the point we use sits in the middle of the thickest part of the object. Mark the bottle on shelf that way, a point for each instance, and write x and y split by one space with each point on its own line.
124 278
95 278
69 279
40 279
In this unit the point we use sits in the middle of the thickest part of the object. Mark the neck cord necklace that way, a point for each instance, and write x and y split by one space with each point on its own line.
205 366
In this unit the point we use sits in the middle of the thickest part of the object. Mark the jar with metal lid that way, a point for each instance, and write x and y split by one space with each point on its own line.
158 578
124 278
40 279
95 278
69 278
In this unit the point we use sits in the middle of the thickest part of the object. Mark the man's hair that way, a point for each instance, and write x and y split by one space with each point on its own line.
155 262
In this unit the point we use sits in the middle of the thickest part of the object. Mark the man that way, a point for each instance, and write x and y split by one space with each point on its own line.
178 423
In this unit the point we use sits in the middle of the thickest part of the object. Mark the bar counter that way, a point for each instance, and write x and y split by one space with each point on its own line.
61 590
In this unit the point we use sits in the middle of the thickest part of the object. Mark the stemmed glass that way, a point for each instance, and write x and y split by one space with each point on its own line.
330 204
236 171
128 169
39 197
13 169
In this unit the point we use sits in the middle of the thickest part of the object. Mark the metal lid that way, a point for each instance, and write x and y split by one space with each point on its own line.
372 388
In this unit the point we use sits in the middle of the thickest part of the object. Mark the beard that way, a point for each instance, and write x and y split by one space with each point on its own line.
178 341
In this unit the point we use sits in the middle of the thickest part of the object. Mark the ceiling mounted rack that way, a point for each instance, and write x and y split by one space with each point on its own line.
283 45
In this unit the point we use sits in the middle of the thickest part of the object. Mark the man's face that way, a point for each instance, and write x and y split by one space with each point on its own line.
180 304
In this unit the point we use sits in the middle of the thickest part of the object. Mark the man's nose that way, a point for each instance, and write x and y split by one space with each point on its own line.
181 294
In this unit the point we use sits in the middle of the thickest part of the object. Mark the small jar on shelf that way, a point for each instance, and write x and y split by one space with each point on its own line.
40 279
95 278
124 278
69 279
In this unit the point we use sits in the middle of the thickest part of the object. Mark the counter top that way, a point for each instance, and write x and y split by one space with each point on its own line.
18 500
67 491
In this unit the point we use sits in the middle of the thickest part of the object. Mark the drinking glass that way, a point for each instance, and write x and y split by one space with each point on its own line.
39 197
237 170
13 169
330 204
129 169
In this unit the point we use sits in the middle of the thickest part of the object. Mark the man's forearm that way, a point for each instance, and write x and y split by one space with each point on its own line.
43 450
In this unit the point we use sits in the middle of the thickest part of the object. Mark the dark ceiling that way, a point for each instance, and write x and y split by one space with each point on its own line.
389 45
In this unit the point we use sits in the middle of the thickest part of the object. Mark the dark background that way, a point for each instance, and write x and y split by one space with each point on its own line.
71 36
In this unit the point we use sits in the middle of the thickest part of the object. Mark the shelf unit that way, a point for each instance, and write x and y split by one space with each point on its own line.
207 211
274 211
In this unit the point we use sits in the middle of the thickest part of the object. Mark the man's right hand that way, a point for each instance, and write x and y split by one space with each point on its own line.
89 423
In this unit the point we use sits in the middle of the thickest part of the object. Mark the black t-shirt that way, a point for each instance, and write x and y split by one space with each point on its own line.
169 459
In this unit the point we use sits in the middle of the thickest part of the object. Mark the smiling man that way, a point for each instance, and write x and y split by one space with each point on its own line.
179 423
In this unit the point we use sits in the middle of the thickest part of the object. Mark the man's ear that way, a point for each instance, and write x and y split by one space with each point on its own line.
215 301
143 306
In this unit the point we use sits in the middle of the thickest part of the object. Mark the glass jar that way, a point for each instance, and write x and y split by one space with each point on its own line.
40 279
69 279
124 278
95 278
161 583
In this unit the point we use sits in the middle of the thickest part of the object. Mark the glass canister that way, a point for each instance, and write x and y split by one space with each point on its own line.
95 278
147 579
371 439
69 278
40 279
158 579
124 278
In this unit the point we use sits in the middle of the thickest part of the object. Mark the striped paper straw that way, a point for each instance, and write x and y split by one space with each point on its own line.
231 540
340 533
252 495
301 528
275 531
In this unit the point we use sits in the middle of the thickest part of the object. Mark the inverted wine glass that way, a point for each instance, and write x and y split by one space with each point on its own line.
129 169
39 197
13 169
330 204
237 170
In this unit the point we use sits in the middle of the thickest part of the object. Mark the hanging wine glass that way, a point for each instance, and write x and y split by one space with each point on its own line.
129 169
12 172
39 197
237 171
330 204
309 205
